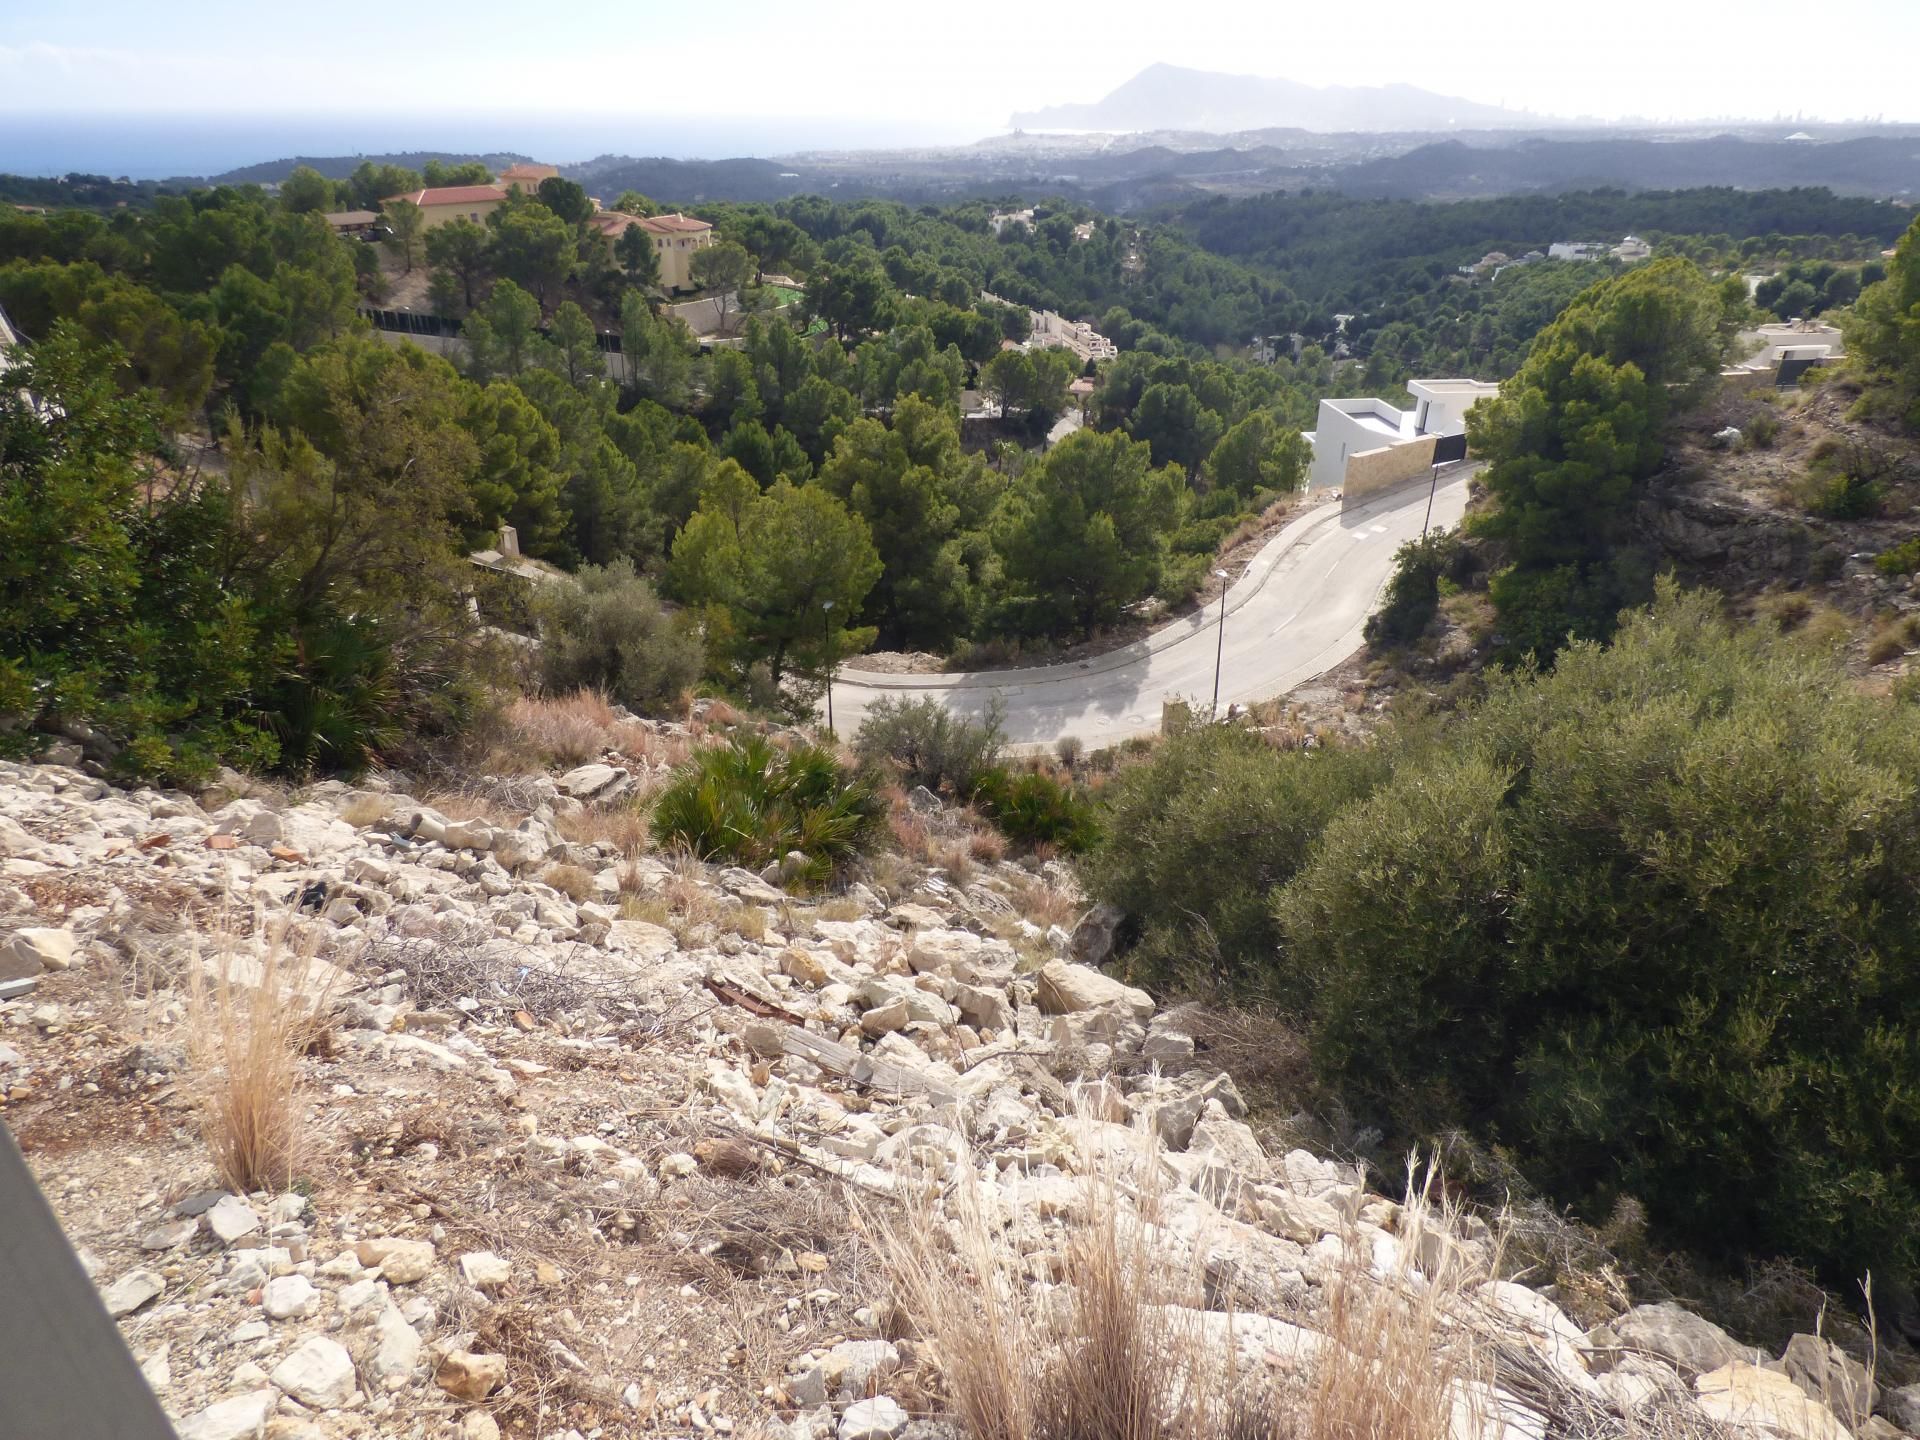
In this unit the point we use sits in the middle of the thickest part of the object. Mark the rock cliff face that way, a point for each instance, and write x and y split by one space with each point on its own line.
1707 534
612 1160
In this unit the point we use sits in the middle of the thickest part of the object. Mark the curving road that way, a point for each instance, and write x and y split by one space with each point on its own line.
1295 612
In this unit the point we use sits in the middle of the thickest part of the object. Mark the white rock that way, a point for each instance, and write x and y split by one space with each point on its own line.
401 1262
288 1296
880 1418
230 1218
1065 989
479 1425
243 1417
131 1291
29 952
319 1374
396 1346
485 1270
586 781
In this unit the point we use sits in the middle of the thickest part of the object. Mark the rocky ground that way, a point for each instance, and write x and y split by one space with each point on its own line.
598 1143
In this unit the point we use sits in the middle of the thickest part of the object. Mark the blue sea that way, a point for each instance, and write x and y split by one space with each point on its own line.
158 147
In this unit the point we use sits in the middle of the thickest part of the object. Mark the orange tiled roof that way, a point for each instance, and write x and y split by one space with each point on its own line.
452 195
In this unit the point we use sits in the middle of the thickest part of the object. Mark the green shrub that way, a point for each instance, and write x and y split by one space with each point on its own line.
1413 594
927 744
1845 497
751 803
605 629
1650 920
1199 836
1902 559
1032 808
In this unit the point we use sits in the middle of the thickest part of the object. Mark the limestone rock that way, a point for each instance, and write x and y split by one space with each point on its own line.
479 1425
1903 1408
1744 1394
231 1218
396 1346
319 1374
31 951
585 781
1828 1374
880 1418
1692 1345
401 1262
1091 941
287 1296
1066 989
243 1417
131 1291
485 1270
470 1377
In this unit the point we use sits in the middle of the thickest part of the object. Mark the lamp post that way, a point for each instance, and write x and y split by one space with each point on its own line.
826 639
1220 643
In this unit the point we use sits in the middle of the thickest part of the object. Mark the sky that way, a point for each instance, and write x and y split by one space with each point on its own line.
871 68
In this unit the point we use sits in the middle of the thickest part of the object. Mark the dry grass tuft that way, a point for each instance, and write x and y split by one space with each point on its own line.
1397 1363
556 730
1116 1355
248 1022
626 826
572 881
749 922
365 810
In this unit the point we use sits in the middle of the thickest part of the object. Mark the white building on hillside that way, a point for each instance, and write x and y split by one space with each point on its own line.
1367 445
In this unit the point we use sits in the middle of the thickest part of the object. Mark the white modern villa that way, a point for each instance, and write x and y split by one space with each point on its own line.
1362 446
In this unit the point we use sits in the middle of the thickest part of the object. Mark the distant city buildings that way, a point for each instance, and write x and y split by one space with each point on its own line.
1050 331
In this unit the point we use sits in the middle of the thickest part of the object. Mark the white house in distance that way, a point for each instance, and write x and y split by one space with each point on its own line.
1367 445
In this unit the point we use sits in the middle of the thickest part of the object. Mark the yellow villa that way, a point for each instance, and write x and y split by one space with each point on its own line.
676 239
526 176
454 202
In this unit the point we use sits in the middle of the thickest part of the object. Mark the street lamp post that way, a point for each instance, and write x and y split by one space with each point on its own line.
1220 643
826 639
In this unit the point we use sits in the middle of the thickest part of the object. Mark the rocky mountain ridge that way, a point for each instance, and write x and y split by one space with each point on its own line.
575 1172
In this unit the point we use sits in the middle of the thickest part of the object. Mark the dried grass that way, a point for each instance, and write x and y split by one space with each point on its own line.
572 881
248 1022
626 826
365 810
556 730
1116 1355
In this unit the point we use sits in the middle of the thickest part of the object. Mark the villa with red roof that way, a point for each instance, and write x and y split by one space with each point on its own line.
676 240
454 202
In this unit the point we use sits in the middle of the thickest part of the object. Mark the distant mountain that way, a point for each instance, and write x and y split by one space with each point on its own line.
339 167
1167 97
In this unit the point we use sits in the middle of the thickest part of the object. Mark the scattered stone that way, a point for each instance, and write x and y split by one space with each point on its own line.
319 1374
479 1425
470 1377
485 1270
401 1262
1065 989
230 1218
1756 1399
1091 940
244 1417
34 950
1690 1344
289 1296
880 1418
131 1291
169 1235
1828 1374
396 1346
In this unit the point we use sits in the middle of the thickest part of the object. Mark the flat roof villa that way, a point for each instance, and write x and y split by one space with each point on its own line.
1366 445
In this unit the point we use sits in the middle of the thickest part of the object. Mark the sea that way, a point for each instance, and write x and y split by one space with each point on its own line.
166 146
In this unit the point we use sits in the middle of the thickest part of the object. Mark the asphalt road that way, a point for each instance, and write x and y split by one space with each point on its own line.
1296 612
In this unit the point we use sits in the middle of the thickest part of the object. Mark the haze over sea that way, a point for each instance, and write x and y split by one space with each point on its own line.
161 146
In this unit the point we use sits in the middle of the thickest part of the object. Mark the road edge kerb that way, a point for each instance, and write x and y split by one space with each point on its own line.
1259 570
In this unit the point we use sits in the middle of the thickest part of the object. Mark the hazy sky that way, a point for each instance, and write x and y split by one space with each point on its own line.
957 69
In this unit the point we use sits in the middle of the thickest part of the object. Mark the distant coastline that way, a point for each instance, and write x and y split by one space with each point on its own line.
166 146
